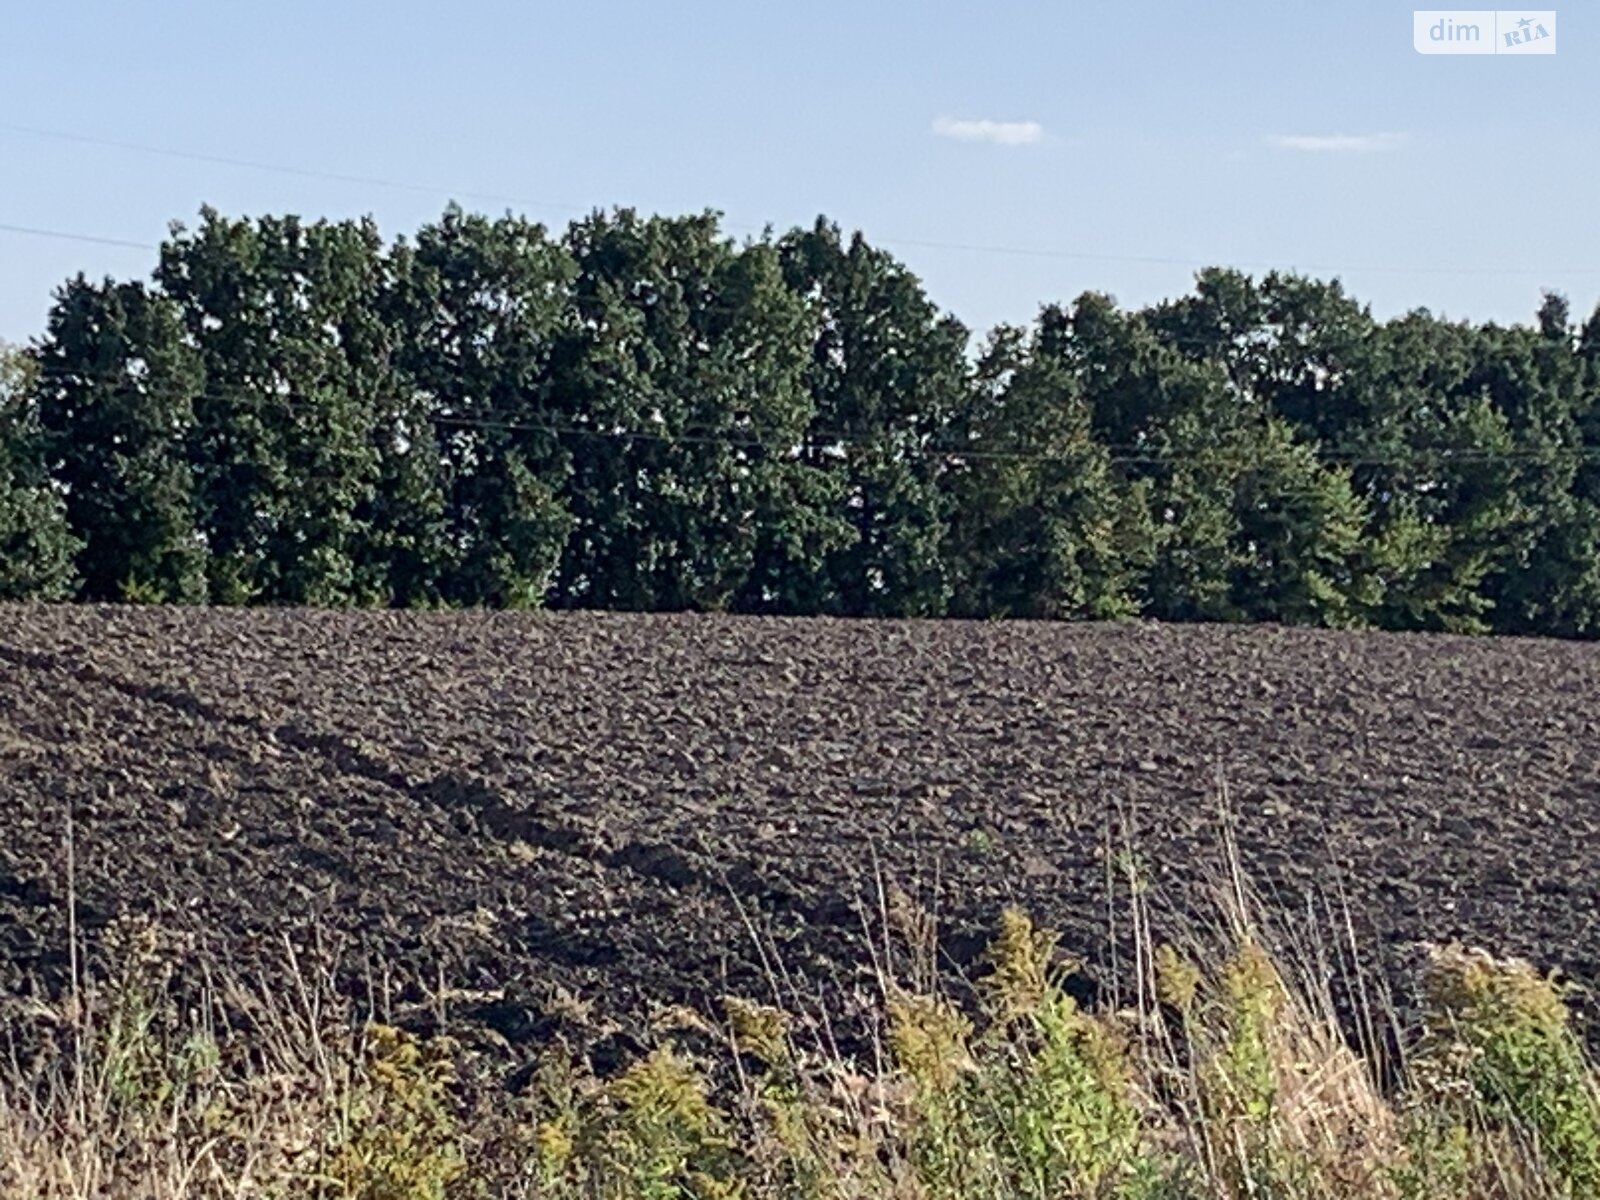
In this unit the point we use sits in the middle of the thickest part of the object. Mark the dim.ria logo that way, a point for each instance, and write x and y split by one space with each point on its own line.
1528 31
1484 31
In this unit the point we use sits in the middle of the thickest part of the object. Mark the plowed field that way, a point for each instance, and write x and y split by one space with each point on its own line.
634 808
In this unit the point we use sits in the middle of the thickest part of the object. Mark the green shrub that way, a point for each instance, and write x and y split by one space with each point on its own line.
1499 1056
398 1137
1040 1103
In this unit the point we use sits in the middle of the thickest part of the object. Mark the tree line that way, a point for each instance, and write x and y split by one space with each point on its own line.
642 413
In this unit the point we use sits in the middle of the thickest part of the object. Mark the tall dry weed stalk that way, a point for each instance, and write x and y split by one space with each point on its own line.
1228 1077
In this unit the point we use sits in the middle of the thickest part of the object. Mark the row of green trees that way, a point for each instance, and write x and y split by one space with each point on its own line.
641 413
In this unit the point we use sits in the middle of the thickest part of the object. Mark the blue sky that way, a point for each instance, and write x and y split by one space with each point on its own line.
1115 147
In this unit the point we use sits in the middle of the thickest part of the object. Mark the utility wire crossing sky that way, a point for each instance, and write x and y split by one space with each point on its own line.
1012 155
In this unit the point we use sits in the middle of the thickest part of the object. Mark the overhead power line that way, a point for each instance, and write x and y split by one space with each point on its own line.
1123 454
280 169
886 240
76 237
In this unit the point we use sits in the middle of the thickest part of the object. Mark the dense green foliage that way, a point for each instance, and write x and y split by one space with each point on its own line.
642 413
35 547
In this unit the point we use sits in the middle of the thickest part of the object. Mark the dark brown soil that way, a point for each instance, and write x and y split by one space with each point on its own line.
632 807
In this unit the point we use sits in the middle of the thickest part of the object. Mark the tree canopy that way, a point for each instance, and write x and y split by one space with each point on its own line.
642 412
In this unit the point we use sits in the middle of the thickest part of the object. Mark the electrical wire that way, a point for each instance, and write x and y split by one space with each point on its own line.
1114 454
887 240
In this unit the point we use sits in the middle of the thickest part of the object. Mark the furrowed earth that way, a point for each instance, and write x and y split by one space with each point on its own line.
487 814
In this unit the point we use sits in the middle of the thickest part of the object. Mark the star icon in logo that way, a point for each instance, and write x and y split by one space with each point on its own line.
1525 22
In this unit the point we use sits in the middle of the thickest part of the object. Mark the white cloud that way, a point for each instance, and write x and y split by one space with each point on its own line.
1002 133
1339 143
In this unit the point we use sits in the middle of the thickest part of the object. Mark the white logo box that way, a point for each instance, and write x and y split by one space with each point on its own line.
1483 31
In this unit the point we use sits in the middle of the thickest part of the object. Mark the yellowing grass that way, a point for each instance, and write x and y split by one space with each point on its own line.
1228 1080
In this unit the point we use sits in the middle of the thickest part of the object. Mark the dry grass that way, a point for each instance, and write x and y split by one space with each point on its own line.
1227 1076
